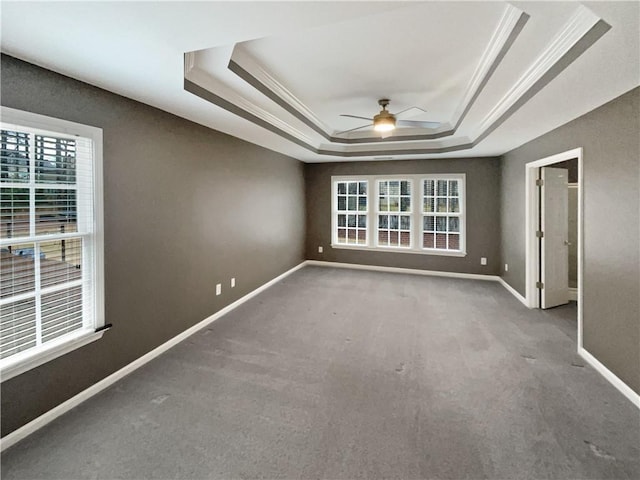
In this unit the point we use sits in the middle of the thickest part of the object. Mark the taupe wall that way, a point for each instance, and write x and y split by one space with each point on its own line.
611 184
185 208
483 218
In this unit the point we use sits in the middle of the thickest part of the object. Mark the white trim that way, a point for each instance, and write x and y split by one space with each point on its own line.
513 291
580 23
410 271
610 377
22 432
422 251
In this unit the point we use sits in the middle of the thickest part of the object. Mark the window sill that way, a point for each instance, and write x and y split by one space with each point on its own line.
399 250
25 361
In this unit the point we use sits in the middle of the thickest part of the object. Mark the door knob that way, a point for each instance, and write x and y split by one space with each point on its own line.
567 243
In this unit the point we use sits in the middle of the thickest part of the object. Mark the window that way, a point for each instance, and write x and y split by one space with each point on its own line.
351 213
51 266
410 213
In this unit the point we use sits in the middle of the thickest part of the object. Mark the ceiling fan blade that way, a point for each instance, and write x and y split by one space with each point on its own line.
355 116
409 112
354 129
417 123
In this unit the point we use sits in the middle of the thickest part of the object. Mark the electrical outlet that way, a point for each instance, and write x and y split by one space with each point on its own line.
506 267
483 260
218 289
320 249
233 282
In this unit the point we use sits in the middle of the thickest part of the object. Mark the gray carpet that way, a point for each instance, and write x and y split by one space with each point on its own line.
349 374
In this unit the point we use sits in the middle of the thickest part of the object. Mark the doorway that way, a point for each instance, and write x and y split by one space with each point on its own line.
544 256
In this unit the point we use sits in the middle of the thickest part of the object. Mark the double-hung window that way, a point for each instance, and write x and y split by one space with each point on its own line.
400 213
51 267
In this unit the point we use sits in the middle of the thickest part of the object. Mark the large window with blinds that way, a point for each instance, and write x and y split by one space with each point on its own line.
51 263
400 213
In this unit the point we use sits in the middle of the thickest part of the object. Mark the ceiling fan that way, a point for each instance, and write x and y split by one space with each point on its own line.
385 122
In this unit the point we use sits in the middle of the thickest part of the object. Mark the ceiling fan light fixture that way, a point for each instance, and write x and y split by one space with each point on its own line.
384 123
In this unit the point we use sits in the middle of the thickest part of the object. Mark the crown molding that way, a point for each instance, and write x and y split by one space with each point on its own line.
581 23
509 27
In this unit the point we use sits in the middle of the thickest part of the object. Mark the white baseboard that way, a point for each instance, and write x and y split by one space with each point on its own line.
573 294
610 376
513 291
410 271
22 432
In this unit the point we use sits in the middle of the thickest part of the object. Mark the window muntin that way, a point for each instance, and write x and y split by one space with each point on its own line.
441 214
351 198
50 239
411 213
394 213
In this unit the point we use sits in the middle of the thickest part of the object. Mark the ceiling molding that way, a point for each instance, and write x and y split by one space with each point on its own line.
579 33
577 27
252 72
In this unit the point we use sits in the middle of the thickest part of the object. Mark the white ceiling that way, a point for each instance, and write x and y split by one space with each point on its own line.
495 74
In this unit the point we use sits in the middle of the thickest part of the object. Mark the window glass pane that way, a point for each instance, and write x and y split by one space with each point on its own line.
453 188
454 205
405 188
342 202
383 221
429 223
352 202
342 235
428 188
441 240
14 212
393 238
454 224
61 313
442 188
384 204
441 224
383 237
17 327
393 204
342 188
454 242
441 205
362 204
405 239
393 222
55 160
60 261
427 240
351 220
342 220
405 222
14 156
362 237
428 204
353 188
362 221
394 187
384 188
405 204
351 235
362 188
17 269
56 211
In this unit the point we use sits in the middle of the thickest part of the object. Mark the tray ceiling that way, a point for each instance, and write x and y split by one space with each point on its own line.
494 74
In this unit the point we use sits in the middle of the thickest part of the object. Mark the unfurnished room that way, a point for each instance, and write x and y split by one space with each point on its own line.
302 240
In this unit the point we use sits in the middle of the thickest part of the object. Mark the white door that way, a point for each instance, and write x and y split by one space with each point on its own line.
554 220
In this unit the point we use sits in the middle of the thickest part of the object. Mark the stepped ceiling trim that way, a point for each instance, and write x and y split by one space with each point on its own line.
578 34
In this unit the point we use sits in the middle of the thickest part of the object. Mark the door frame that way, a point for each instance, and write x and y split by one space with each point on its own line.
532 210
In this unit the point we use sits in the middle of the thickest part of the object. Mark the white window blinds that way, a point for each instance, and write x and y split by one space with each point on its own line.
47 267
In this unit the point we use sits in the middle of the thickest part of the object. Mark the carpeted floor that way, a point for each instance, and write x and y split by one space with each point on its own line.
337 373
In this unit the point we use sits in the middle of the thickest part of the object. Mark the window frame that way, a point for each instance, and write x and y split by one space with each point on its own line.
93 328
417 214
